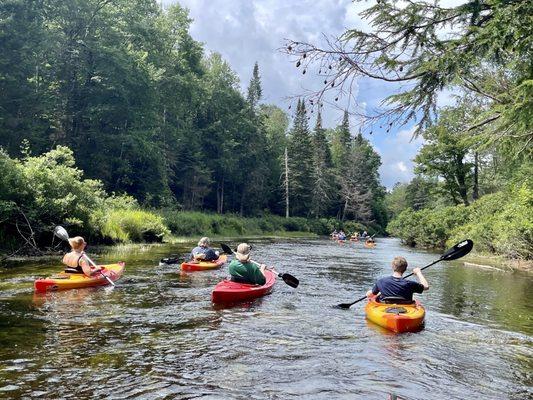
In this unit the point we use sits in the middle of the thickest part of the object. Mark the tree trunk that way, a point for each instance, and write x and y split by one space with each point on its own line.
286 183
475 192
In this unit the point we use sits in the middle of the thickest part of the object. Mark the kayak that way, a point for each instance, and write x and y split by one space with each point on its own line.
204 265
396 317
370 245
233 292
65 281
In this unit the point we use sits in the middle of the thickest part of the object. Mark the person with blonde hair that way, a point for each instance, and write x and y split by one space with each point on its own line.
243 270
203 252
396 286
76 261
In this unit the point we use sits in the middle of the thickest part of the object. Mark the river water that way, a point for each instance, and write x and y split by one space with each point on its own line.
157 335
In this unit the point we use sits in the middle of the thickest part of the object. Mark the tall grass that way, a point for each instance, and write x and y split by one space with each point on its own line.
123 225
185 223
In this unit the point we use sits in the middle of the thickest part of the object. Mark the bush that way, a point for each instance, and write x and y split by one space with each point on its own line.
501 223
122 225
497 223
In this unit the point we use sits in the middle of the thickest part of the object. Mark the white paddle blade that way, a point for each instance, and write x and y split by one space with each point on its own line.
61 232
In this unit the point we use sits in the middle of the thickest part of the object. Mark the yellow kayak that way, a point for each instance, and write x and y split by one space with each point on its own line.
204 265
396 317
65 281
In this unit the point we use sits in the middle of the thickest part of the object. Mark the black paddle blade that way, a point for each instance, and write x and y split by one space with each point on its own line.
170 260
226 249
290 280
344 305
459 250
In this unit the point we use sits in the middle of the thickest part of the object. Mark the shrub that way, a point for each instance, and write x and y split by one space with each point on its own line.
122 225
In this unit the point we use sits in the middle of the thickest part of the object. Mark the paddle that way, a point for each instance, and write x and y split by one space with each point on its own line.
62 234
459 250
287 278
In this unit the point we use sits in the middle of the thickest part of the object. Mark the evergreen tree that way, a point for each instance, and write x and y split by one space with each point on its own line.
254 88
340 143
300 153
323 188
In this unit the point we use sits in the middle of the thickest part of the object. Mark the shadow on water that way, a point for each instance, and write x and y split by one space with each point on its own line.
157 334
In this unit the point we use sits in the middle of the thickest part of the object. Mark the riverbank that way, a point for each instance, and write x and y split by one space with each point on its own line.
489 261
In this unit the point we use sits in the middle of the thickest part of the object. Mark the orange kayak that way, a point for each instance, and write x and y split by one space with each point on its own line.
204 265
370 245
397 318
65 281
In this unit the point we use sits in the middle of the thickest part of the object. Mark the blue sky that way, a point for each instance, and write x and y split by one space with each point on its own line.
246 31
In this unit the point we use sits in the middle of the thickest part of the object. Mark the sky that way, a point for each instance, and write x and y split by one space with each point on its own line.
246 31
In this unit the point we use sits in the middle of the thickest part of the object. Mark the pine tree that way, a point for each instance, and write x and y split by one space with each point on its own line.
300 152
340 145
323 188
254 88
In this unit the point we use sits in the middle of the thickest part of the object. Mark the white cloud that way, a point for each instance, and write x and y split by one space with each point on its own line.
397 152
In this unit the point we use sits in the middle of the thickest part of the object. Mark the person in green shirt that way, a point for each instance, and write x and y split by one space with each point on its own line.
243 270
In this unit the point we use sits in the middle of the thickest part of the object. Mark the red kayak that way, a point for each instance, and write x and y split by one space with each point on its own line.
233 292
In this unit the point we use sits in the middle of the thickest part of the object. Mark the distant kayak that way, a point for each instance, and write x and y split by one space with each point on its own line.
227 292
204 265
65 281
370 245
397 318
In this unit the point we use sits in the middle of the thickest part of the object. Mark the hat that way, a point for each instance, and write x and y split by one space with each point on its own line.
243 252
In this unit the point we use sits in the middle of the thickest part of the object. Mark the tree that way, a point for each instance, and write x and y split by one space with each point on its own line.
300 156
486 50
323 177
254 88
445 154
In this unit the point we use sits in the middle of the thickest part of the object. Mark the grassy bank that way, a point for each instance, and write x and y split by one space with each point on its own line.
187 223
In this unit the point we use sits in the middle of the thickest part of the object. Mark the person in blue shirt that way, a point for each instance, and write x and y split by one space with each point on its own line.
203 252
396 285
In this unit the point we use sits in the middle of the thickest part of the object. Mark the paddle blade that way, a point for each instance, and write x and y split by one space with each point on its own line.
61 232
290 280
344 305
170 260
459 250
226 249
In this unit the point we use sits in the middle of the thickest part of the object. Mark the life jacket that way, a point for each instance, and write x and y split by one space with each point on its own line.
72 261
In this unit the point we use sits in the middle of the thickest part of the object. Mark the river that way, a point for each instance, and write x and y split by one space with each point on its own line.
157 335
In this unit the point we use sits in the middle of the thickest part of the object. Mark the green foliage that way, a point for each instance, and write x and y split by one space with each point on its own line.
499 223
129 225
427 228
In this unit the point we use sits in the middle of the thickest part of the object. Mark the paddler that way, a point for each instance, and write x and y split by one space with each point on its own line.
203 252
76 261
242 270
396 285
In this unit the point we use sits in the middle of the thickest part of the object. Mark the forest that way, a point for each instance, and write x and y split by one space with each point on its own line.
117 123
